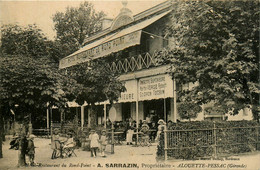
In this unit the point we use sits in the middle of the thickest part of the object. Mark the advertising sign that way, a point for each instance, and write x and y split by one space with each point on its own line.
104 48
155 87
130 94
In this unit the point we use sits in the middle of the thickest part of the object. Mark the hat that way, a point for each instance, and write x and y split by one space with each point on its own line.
104 131
161 121
56 130
92 130
145 125
32 136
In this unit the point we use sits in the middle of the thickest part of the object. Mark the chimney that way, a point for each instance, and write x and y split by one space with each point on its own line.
106 23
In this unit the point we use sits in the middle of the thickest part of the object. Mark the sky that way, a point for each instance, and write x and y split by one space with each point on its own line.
41 12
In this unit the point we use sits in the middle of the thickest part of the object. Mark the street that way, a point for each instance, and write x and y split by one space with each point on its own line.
125 156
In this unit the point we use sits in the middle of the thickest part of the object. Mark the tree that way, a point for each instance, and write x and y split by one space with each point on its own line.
75 25
217 45
29 77
29 83
27 41
97 83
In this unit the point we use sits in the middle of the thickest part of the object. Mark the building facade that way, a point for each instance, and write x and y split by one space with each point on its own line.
133 42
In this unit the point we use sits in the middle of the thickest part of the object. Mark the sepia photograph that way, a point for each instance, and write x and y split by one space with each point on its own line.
129 84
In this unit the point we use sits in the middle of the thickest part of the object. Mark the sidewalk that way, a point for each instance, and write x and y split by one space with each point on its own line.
125 156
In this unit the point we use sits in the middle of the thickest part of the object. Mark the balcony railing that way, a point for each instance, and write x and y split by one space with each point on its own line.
139 62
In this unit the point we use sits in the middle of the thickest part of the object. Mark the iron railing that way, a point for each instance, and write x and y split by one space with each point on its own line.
217 141
139 62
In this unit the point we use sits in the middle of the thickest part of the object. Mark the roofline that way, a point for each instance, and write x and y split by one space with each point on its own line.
155 9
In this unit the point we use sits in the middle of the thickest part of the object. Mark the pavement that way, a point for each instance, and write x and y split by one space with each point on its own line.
125 157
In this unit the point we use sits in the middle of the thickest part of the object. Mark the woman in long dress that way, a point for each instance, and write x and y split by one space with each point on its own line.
130 132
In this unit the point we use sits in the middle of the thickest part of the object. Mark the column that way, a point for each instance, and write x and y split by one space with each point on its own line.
174 101
105 116
89 110
82 116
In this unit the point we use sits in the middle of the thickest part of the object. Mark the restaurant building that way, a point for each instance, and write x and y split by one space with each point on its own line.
132 42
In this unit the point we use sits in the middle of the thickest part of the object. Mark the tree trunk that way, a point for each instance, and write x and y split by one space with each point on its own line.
93 116
22 150
22 146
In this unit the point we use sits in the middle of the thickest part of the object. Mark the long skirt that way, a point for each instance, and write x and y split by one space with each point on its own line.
129 136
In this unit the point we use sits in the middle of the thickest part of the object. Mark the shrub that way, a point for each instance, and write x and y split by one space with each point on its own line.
193 140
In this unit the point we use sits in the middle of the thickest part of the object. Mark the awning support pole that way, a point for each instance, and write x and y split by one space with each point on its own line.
164 110
82 117
174 101
137 108
48 124
105 116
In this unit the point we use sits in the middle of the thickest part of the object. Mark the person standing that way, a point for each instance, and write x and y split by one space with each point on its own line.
94 143
31 150
55 143
130 132
103 142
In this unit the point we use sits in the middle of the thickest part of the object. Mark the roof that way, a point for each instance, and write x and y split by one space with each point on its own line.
164 6
94 47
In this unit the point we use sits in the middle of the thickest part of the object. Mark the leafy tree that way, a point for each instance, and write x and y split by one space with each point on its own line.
29 83
29 78
188 110
75 25
97 83
27 41
217 45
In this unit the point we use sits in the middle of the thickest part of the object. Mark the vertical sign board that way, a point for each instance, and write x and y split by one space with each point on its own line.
155 87
130 94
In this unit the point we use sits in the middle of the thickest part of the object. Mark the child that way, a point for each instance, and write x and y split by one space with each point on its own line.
103 142
69 144
94 144
31 150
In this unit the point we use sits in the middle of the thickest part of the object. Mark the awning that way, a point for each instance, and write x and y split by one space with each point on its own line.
125 38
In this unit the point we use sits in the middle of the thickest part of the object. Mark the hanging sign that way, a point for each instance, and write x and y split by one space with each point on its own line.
155 87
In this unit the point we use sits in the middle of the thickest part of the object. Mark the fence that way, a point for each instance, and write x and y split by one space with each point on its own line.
210 142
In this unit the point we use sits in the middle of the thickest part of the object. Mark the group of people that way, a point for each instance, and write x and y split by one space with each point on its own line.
96 142
152 129
27 146
60 142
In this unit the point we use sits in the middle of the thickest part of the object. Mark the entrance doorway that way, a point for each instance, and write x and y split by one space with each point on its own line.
155 109
126 111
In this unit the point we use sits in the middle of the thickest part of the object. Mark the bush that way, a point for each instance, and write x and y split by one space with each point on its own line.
193 140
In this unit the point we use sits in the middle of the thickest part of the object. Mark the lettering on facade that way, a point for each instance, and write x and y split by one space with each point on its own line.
127 96
102 49
155 87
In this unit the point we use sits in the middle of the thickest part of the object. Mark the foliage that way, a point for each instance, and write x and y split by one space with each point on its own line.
188 110
26 41
194 140
96 84
217 45
30 83
75 25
